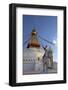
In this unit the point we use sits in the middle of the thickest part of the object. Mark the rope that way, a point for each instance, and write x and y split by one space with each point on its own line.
26 41
47 40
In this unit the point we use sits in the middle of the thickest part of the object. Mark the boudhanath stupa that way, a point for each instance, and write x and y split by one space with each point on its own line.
36 59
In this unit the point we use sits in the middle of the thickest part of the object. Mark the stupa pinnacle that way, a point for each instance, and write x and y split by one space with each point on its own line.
33 42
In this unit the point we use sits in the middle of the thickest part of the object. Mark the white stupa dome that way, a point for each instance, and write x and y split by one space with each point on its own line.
33 53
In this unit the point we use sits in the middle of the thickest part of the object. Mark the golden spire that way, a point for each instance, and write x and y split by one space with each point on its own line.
33 42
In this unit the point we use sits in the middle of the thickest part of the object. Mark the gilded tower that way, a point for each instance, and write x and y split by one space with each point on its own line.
33 42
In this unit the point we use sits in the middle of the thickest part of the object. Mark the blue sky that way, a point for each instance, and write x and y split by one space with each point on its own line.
46 26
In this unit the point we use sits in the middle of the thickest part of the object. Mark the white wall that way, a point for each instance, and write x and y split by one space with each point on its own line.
4 44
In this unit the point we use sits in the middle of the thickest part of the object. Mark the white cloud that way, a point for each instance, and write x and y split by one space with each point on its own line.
54 41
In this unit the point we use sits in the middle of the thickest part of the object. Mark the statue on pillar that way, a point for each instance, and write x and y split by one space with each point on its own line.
47 58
